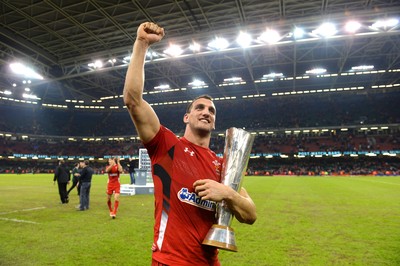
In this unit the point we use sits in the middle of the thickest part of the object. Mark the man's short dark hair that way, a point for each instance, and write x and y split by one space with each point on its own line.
203 96
86 162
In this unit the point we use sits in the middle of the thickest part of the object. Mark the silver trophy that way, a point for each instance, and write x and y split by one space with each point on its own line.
238 143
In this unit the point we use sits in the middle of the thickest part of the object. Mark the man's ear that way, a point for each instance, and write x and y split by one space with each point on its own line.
186 118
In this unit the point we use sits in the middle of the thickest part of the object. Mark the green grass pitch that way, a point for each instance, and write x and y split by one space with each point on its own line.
301 221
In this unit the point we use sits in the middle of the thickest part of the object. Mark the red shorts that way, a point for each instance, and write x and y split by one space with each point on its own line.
113 188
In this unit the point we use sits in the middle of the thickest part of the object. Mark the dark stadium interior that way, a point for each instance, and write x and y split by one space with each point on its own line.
295 113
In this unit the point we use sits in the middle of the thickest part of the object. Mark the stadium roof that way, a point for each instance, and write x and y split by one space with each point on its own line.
59 39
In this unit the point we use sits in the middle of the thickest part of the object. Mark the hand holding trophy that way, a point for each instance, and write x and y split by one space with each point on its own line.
238 144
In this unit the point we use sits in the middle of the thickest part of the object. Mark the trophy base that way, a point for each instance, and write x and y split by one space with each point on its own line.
222 237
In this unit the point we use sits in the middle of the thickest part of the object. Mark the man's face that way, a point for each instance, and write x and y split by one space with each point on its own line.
202 115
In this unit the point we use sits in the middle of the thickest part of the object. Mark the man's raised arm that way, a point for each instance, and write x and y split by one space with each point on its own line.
142 114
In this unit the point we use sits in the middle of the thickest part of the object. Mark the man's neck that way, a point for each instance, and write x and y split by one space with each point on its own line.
198 139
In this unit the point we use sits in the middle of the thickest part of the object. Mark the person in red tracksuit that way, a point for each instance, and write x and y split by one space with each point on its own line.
114 169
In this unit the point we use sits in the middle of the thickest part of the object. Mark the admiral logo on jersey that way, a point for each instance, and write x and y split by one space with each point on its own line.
191 198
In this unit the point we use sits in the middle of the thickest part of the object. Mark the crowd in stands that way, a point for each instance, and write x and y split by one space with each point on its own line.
381 166
264 144
49 129
264 113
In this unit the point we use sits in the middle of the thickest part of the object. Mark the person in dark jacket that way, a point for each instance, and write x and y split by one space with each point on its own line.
85 180
62 176
75 179
131 166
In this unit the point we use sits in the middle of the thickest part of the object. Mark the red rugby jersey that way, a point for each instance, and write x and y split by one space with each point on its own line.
182 219
113 175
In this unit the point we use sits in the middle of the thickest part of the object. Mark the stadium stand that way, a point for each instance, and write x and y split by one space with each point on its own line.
291 126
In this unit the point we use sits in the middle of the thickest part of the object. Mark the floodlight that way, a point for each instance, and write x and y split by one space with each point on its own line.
233 79
269 36
352 26
273 75
27 89
96 64
325 30
174 50
195 47
126 59
298 33
30 96
244 39
316 71
388 23
21 69
218 44
197 83
151 54
362 67
162 87
7 92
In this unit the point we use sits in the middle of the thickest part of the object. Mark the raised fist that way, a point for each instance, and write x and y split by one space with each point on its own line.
150 33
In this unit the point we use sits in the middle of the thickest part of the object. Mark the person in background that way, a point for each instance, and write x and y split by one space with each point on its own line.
75 179
186 173
131 167
62 176
114 169
85 180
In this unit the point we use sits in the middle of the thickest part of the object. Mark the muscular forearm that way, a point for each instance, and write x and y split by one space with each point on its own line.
134 81
242 206
240 203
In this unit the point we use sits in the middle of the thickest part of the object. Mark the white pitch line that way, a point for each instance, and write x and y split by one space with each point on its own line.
18 221
23 210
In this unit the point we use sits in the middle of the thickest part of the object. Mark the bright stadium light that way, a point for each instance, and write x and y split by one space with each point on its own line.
298 33
325 30
21 69
233 79
162 87
269 36
197 83
244 39
151 54
362 68
316 71
195 47
96 64
218 44
352 26
126 59
174 50
384 24
273 75
30 96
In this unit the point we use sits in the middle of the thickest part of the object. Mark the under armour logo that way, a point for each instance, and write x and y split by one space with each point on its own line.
189 151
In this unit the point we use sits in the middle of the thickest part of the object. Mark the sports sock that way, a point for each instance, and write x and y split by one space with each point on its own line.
109 205
116 203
